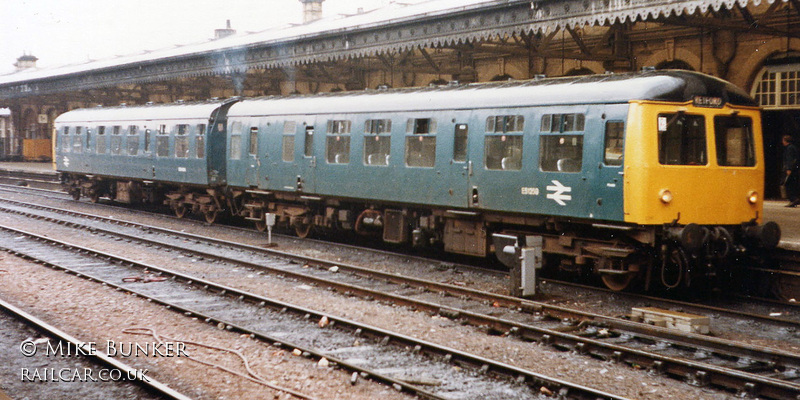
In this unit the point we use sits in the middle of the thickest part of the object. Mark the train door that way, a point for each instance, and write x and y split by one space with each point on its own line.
253 162
149 154
308 157
460 164
608 190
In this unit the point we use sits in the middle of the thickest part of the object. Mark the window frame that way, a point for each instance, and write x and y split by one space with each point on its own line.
512 162
421 136
338 131
288 141
562 162
378 130
606 140
722 150
684 162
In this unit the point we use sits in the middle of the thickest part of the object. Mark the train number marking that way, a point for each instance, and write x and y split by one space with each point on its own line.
530 191
66 161
558 195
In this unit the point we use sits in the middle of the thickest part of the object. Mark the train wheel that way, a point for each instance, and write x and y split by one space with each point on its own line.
94 197
76 194
180 210
617 282
211 216
302 229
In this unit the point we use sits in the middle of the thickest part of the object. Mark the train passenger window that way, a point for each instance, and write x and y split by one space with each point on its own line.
421 142
734 137
182 141
162 142
77 140
337 145
236 147
378 126
133 140
88 139
613 142
460 143
308 146
148 137
682 139
116 141
505 123
65 143
421 126
287 145
199 141
101 140
563 122
253 150
503 152
561 153
377 141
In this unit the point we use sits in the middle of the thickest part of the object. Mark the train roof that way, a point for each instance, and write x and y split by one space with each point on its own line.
200 110
664 85
672 85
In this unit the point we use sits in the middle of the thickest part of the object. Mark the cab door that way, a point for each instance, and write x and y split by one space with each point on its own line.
608 199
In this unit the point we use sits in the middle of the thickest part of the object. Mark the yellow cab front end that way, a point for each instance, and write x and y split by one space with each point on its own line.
699 162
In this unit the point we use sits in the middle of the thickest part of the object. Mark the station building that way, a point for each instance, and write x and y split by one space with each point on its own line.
754 44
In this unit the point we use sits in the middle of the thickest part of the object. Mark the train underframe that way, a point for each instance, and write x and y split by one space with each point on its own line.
651 257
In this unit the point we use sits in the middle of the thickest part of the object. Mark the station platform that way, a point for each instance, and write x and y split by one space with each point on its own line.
38 167
774 210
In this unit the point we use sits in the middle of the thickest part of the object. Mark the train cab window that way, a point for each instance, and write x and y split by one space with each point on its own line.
460 143
734 137
561 153
287 144
503 152
100 142
615 131
65 143
77 140
181 141
337 145
253 148
421 142
162 142
563 122
116 140
377 141
133 140
682 139
308 142
199 141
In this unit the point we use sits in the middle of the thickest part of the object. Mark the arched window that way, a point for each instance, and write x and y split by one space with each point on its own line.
778 86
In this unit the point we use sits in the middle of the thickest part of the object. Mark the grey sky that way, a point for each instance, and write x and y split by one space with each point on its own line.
61 32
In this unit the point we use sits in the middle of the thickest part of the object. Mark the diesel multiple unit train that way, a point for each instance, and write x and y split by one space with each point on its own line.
653 177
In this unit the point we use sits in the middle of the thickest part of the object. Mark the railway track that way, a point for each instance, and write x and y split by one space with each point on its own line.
379 352
46 376
29 178
701 360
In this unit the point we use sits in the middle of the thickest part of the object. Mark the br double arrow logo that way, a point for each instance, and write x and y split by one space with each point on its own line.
558 195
